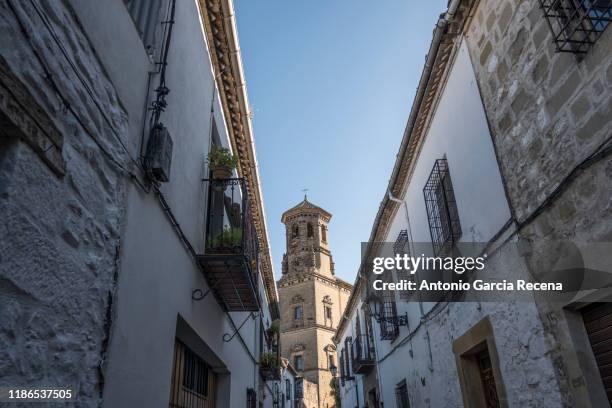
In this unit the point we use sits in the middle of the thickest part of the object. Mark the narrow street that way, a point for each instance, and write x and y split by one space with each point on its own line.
346 204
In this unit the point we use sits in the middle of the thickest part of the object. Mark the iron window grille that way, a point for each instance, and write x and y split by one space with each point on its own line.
347 359
195 375
275 396
190 379
251 398
576 24
401 395
342 358
442 213
389 324
299 389
402 247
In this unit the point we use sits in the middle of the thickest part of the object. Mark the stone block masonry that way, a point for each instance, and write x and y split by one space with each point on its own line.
547 110
60 230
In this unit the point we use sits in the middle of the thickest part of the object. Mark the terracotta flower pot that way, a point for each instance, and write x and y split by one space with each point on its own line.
221 173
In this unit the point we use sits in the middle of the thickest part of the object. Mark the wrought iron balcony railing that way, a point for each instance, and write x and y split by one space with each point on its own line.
362 353
230 259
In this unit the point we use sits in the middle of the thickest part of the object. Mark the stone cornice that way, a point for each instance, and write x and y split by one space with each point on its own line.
222 38
307 277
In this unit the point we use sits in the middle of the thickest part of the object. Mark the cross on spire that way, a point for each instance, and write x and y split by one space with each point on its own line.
305 190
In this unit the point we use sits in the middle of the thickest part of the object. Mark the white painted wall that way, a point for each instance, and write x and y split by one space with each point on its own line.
157 274
458 131
351 393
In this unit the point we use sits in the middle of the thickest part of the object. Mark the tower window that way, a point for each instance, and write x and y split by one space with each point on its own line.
323 233
298 362
328 312
296 230
297 313
310 230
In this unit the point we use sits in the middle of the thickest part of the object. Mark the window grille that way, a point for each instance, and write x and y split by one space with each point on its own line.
441 206
342 358
192 384
488 380
576 24
288 389
389 327
299 389
251 398
401 395
275 396
402 247
347 358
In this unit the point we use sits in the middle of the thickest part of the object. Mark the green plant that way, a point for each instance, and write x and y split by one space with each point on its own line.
230 236
336 391
268 360
273 329
220 157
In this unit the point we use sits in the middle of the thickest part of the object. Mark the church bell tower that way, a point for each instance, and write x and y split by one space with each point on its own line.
312 298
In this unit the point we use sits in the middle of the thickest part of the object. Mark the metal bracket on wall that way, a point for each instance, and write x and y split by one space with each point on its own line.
228 337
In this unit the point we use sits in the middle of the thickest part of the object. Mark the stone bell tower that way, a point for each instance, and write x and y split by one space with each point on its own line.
312 298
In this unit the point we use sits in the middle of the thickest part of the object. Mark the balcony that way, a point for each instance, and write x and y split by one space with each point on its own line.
362 353
230 261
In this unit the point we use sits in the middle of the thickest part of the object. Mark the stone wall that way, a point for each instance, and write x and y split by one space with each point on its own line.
547 111
59 238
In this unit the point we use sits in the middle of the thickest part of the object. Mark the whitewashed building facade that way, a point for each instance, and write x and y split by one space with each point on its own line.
480 131
111 280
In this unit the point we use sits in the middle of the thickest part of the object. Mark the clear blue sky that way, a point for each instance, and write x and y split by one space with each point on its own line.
331 83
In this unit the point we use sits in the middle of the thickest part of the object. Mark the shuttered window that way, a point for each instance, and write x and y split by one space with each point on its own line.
598 323
148 16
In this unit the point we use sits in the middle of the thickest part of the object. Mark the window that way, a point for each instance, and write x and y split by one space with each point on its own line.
295 230
195 373
299 389
309 230
191 379
251 398
402 247
328 312
441 206
576 24
478 367
347 361
298 362
401 395
323 233
288 389
389 328
297 313
331 361
342 359
147 17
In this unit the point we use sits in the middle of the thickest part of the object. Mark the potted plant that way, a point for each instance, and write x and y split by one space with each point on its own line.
221 162
272 334
229 237
268 365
